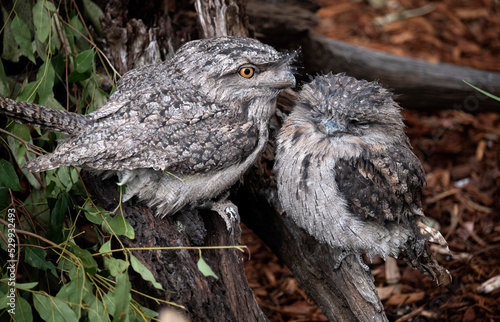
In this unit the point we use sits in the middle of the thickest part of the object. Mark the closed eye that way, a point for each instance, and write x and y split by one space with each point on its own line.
359 123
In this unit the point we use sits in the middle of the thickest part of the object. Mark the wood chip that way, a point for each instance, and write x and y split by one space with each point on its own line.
408 298
490 285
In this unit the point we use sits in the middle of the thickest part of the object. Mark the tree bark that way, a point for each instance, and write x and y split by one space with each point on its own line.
228 298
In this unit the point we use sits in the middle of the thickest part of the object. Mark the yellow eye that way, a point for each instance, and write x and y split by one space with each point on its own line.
246 72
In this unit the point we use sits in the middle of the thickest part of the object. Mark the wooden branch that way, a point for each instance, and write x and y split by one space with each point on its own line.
228 298
347 294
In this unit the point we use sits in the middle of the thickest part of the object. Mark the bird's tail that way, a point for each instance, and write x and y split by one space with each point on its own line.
41 116
421 257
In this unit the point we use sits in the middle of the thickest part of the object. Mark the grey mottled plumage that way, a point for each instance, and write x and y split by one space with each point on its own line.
346 173
178 132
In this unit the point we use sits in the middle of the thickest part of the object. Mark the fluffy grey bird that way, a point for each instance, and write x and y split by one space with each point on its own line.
179 132
346 173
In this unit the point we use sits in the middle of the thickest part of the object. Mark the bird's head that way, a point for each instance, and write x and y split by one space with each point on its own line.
340 105
235 69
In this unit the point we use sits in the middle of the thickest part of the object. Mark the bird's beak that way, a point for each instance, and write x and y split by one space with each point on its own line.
332 126
282 81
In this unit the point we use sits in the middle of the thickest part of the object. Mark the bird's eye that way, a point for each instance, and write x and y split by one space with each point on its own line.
246 72
363 124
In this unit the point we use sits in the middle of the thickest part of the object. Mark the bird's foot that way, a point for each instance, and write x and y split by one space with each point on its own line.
340 258
228 212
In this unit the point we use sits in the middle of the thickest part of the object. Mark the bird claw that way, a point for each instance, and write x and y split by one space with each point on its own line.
228 212
340 258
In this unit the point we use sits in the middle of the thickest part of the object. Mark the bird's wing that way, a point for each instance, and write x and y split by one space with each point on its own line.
382 185
163 129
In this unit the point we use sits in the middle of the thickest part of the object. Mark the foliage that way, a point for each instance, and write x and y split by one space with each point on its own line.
483 92
56 257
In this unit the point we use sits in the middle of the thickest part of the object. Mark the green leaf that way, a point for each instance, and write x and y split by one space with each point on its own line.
22 36
78 290
106 247
144 271
77 25
57 215
120 298
4 199
65 176
97 312
75 76
115 266
8 176
94 13
45 76
41 19
20 310
84 61
28 93
35 257
4 84
4 290
85 256
10 48
17 147
26 286
23 310
120 226
483 91
59 211
51 309
36 203
205 269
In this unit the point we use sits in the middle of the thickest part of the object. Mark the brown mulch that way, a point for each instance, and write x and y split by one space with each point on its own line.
460 153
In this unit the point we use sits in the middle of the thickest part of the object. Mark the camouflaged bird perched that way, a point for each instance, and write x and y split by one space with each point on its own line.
346 174
176 133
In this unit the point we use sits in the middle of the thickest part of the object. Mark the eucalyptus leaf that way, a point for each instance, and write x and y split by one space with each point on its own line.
45 76
4 84
22 36
35 257
144 271
94 13
85 256
41 20
26 286
120 226
205 269
23 310
8 176
28 94
51 309
115 266
59 211
97 312
11 50
121 297
84 61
